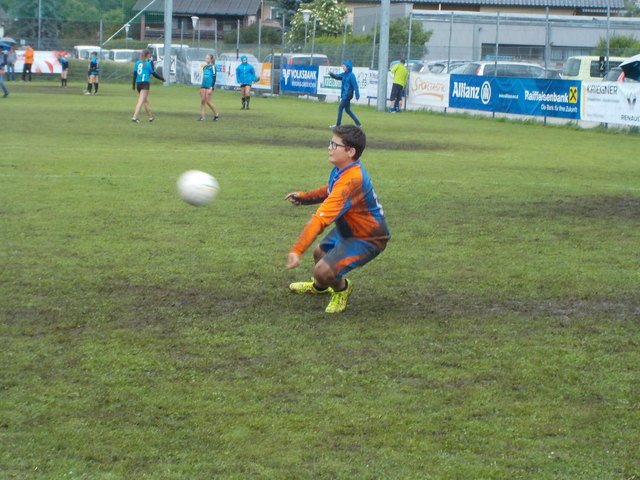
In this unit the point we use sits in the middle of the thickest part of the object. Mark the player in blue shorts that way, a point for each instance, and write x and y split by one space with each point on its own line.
207 86
349 202
94 74
142 72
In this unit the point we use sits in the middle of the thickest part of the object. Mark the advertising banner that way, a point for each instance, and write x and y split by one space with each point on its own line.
44 61
428 89
611 102
329 86
372 84
226 74
326 84
299 78
523 96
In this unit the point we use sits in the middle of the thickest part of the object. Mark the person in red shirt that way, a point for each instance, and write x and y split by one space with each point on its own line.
349 201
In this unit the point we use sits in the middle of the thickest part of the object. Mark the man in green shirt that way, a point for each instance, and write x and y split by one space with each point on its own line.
400 75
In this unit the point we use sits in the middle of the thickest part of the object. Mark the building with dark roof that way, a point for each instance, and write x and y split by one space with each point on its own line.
214 16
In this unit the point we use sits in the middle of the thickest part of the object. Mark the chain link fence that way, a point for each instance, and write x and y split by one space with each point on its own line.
548 41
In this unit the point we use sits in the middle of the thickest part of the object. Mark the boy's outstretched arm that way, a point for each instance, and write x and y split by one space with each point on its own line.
294 198
293 261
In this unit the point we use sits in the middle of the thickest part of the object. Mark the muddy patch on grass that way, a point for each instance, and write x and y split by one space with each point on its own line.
446 305
624 206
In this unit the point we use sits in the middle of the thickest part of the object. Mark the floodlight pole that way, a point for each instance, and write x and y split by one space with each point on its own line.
313 41
306 15
194 22
126 35
344 39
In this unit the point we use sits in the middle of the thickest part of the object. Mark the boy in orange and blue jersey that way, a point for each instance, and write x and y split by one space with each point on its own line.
360 231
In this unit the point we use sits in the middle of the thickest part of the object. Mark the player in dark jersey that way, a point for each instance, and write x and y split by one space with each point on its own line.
207 86
94 74
142 72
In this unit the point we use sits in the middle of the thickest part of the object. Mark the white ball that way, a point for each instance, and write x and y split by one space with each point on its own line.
197 188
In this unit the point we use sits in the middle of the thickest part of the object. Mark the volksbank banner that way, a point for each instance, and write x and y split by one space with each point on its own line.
299 78
523 96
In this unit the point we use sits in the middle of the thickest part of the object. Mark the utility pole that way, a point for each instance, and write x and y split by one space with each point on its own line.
168 26
383 55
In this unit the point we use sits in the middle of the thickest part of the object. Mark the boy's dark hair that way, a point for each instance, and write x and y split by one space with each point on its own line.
352 136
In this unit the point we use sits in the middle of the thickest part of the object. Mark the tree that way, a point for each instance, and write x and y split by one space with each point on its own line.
35 22
399 34
288 6
631 9
619 46
329 18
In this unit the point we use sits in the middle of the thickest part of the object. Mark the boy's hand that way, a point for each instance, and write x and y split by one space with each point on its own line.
293 198
293 260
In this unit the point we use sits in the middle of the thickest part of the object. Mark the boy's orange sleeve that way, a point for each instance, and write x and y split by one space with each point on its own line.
314 196
325 215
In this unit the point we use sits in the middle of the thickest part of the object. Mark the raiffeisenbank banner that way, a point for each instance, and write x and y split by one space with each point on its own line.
611 102
523 96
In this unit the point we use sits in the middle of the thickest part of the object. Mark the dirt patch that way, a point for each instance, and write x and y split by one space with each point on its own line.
626 206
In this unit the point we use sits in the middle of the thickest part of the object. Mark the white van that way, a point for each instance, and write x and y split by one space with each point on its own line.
588 68
178 57
123 55
157 50
85 51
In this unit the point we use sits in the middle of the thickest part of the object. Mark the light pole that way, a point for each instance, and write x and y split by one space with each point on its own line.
306 14
194 23
344 38
126 35
313 40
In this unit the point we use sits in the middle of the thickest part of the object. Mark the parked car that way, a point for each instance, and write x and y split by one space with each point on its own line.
232 57
444 66
412 65
275 59
588 67
553 73
617 75
179 71
124 55
500 69
85 51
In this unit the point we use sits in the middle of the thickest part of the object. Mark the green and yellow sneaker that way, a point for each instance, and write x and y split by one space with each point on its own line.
338 302
308 287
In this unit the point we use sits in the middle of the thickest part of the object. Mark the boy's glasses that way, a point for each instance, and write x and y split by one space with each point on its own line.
333 145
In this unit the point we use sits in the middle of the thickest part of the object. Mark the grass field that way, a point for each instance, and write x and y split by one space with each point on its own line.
497 337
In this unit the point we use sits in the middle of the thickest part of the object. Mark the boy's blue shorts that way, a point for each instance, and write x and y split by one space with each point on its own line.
345 254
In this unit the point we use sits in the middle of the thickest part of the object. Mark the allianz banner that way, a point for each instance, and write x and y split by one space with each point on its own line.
523 96
299 78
